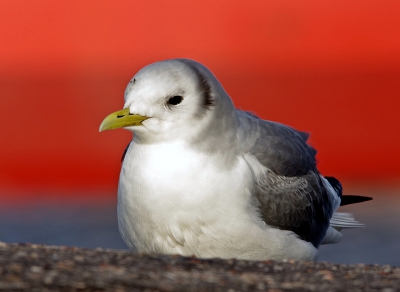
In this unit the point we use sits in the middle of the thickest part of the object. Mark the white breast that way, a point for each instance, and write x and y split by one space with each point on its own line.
172 199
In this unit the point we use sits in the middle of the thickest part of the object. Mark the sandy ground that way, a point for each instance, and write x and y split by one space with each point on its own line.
27 267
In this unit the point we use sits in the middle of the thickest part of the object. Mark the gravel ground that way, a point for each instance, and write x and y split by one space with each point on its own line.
26 267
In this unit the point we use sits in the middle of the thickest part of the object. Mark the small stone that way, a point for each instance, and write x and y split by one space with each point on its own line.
36 269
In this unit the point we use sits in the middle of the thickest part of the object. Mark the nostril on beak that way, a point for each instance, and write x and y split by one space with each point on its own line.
120 116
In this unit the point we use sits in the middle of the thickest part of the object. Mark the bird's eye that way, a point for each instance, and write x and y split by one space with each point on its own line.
177 99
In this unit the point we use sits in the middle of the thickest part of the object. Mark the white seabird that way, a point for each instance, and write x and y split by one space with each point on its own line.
203 178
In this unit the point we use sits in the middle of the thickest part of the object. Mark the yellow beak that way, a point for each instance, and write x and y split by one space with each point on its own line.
120 119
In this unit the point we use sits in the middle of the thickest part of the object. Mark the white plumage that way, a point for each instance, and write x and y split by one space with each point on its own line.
202 178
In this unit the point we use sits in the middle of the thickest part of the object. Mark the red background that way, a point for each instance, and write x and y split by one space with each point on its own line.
328 67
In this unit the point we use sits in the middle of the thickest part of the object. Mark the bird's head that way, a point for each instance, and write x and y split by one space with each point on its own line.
172 100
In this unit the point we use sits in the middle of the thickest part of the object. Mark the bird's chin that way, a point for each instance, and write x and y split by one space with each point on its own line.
142 128
136 129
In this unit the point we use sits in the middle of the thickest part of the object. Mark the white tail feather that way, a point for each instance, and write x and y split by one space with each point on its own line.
331 236
344 220
337 223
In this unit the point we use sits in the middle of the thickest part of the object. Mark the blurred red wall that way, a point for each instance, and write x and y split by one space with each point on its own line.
328 67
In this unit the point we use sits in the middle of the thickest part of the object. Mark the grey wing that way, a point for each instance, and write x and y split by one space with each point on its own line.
288 187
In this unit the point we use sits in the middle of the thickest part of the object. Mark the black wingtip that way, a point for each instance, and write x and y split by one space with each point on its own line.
351 199
345 199
337 186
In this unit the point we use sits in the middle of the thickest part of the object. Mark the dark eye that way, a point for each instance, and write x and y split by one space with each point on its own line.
177 99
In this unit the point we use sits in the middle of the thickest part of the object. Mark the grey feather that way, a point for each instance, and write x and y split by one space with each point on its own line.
290 192
278 147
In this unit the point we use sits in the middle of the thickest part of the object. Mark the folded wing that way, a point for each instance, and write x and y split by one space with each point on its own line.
288 187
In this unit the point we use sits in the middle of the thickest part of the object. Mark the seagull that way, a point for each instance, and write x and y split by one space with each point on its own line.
203 178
